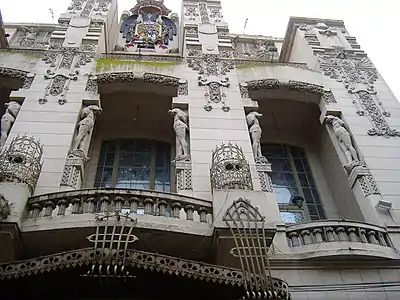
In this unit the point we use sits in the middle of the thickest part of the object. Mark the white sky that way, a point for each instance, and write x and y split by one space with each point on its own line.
375 24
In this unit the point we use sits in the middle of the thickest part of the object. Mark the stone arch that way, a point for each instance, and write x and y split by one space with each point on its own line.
109 81
248 88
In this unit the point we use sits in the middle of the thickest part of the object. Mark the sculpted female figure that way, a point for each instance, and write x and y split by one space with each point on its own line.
85 126
8 119
181 128
255 133
343 137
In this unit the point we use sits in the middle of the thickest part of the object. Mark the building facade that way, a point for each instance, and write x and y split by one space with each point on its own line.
156 154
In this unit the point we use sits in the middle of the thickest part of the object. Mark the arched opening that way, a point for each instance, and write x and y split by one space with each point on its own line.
133 143
308 178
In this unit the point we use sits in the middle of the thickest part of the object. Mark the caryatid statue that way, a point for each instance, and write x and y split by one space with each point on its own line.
255 133
8 119
181 131
85 127
343 136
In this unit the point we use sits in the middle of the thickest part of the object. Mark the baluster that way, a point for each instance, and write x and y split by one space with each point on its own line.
189 209
203 214
91 205
176 210
363 237
306 236
37 208
381 239
76 205
105 201
49 206
119 201
163 207
372 238
294 239
148 206
330 237
318 235
351 231
340 231
134 201
62 207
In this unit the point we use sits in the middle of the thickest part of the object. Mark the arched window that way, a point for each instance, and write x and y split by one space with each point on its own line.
135 164
293 184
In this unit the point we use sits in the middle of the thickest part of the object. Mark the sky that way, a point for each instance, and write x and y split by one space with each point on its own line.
375 24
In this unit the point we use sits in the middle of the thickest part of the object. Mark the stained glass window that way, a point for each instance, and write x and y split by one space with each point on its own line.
292 180
134 164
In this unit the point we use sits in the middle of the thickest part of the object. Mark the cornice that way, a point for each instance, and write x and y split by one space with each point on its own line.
294 22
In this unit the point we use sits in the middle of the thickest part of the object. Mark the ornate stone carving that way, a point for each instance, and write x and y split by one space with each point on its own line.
29 80
191 12
88 47
21 162
68 57
85 127
344 138
183 171
211 66
74 170
105 78
255 49
31 37
376 116
76 5
181 129
91 85
216 13
229 168
8 119
88 8
13 73
263 170
358 75
5 208
255 130
358 170
266 84
204 17
83 60
50 58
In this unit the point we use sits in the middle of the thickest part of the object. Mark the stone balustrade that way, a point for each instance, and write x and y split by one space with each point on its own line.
336 231
119 200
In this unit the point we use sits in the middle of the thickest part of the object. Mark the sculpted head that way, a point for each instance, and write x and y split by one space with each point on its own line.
13 107
91 108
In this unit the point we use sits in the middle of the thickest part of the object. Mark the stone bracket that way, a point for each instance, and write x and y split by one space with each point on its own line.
74 170
183 171
359 171
263 170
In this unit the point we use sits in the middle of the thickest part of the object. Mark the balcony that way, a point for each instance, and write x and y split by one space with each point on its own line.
339 238
66 217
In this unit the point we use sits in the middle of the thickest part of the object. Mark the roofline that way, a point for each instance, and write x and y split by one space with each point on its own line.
294 22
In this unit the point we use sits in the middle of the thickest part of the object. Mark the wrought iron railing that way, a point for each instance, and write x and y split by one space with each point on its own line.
119 200
336 231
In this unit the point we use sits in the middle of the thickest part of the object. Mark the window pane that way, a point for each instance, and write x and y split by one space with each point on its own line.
292 217
105 166
163 171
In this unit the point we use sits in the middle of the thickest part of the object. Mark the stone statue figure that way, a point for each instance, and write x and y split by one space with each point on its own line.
8 119
181 130
255 133
85 126
29 37
343 136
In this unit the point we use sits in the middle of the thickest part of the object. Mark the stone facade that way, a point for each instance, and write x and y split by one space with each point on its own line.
283 154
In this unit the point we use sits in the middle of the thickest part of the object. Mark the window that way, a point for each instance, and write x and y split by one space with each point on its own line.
292 182
134 164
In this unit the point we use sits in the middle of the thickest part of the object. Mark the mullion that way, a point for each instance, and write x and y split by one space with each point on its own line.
116 164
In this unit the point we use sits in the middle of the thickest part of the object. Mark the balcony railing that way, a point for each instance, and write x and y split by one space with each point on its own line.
336 231
119 200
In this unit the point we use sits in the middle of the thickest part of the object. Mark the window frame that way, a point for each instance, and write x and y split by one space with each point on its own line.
291 207
152 167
